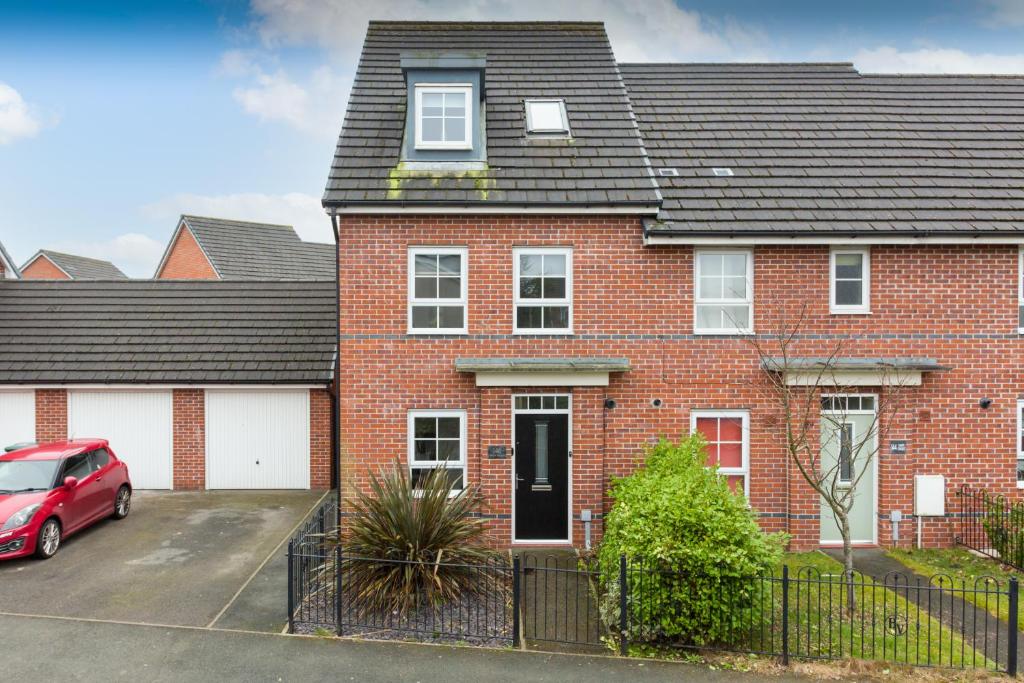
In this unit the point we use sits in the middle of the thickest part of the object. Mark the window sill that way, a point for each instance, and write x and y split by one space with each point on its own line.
849 311
730 333
460 147
436 333
1020 484
549 332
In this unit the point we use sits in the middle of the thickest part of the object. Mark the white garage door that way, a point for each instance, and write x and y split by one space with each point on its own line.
138 425
17 417
257 439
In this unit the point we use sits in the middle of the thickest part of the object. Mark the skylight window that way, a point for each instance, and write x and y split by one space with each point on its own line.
546 116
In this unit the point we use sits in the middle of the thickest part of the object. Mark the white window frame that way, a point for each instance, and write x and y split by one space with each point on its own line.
412 463
1020 439
749 300
744 415
530 128
1020 288
865 305
463 300
566 301
443 88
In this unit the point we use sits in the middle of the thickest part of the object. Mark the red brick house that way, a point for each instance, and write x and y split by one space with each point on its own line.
46 264
549 259
8 271
204 248
197 385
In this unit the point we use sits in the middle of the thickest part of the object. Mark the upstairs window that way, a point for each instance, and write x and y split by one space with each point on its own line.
543 291
850 281
1020 291
546 116
437 290
444 116
724 303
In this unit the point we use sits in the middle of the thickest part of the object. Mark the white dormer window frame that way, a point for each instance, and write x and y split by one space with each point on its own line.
465 89
534 126
864 307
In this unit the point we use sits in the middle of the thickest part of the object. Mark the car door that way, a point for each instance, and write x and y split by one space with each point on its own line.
77 507
107 484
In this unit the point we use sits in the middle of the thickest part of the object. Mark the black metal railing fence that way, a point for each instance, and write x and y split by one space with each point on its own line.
992 525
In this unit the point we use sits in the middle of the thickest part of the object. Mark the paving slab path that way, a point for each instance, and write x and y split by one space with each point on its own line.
983 631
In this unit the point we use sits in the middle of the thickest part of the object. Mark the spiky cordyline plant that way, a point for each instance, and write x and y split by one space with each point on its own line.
425 539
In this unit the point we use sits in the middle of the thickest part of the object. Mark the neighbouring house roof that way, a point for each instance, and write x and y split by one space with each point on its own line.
79 267
167 332
821 149
602 165
243 250
10 270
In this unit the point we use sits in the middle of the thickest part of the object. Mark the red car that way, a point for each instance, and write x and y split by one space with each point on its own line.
51 491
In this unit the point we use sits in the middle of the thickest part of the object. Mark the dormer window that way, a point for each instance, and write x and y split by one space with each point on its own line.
546 117
444 117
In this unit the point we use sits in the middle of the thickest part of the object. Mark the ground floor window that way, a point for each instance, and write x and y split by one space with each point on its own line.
437 440
1020 444
728 435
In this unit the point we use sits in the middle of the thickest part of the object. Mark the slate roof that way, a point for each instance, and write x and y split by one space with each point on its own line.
81 267
823 149
167 332
8 263
603 164
241 250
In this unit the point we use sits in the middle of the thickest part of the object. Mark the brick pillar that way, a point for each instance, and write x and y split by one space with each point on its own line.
51 415
494 475
319 439
189 439
588 482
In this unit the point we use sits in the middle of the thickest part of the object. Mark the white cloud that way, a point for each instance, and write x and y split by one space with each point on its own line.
302 211
888 59
1005 13
653 30
16 118
136 254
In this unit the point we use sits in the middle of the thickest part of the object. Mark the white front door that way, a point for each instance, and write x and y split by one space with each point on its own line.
257 439
138 425
17 417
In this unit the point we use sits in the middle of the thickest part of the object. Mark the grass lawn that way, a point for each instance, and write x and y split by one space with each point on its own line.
882 626
965 571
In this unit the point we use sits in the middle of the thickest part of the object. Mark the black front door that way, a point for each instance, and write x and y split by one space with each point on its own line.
542 477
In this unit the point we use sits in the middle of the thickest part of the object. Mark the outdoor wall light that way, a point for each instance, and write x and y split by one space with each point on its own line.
610 403
985 403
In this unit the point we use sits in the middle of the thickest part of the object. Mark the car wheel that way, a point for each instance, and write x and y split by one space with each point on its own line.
122 503
48 542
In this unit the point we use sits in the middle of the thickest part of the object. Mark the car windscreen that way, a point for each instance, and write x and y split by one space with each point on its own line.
27 475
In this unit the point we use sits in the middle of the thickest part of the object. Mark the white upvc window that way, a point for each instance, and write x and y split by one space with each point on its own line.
444 116
438 290
727 433
542 295
724 291
1020 290
437 440
1020 444
850 280
546 116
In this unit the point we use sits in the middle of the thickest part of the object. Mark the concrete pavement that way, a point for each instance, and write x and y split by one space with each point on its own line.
68 649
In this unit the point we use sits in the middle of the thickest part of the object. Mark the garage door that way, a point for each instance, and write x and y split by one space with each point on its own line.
257 439
138 425
17 417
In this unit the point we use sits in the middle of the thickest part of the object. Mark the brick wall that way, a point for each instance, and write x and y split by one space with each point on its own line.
189 438
957 304
319 439
186 260
43 269
51 415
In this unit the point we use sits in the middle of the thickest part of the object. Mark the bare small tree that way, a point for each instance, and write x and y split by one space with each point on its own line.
807 394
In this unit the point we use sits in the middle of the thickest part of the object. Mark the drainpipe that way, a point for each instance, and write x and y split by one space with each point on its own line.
335 393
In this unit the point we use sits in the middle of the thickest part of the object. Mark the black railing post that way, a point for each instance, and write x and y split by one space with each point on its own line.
291 586
337 589
516 600
1013 635
623 608
785 615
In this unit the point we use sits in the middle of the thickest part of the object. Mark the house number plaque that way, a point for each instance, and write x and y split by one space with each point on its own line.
497 452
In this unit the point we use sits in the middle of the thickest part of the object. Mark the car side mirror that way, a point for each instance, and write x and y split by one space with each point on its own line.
70 482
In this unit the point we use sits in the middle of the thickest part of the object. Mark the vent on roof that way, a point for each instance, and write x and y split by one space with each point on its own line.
722 172
669 172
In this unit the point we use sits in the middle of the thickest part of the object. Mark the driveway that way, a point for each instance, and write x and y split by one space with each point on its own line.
187 559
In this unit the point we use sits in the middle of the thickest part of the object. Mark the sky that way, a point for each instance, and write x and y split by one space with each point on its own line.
117 117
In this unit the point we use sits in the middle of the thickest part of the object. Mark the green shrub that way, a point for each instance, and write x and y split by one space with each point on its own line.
1004 526
427 536
692 546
